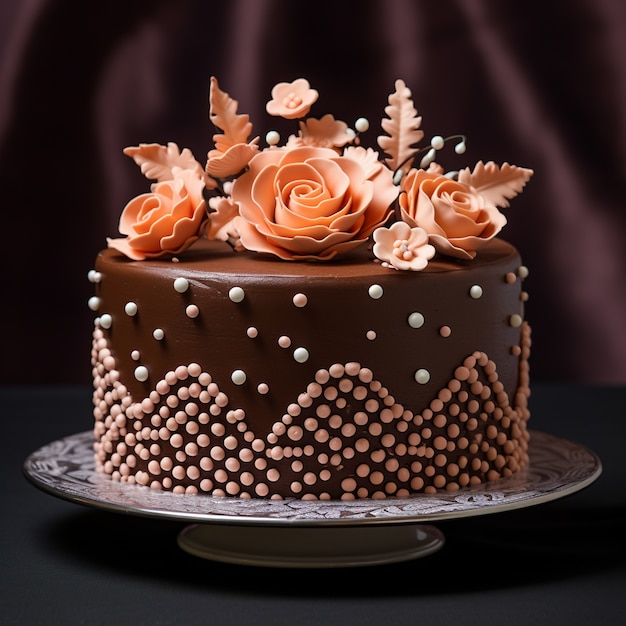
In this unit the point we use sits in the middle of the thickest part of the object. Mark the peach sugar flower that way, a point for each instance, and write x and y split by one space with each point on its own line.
292 100
402 247
165 221
457 218
310 202
318 195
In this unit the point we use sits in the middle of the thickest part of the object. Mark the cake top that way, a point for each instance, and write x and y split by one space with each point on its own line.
321 193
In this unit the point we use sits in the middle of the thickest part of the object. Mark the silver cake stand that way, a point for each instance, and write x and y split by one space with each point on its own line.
297 533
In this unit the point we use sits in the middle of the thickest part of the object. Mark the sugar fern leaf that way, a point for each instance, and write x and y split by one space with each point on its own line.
497 184
223 113
402 127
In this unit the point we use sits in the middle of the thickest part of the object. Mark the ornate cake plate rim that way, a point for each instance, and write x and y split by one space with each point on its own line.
355 532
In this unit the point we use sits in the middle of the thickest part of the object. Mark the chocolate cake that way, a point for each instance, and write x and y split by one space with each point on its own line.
312 320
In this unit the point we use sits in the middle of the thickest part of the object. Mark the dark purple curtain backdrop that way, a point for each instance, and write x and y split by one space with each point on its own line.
537 84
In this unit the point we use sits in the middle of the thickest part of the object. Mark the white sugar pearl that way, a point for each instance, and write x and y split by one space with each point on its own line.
375 292
94 276
236 294
181 285
94 303
301 355
416 320
362 124
476 291
437 142
130 309
238 377
106 321
141 373
272 138
422 376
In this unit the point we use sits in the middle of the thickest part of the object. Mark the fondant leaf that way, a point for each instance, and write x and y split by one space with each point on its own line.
223 113
156 161
497 184
402 128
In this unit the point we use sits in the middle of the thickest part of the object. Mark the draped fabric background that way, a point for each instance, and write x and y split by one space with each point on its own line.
537 84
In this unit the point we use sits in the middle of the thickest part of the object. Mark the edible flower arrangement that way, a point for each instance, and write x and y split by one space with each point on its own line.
320 194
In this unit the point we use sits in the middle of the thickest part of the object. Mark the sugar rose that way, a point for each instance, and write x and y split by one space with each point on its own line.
166 221
457 218
311 202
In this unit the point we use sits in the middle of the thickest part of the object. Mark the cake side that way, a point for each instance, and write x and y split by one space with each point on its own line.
338 380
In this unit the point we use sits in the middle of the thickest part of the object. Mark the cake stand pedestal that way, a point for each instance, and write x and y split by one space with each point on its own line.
296 533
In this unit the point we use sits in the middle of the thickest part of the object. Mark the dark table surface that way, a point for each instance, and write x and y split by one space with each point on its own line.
560 562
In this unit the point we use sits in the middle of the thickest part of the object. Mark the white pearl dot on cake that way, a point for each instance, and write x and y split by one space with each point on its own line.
416 320
135 355
375 292
192 311
158 334
301 355
94 303
106 321
300 300
238 377
476 291
371 335
93 276
284 341
130 308
422 376
522 271
236 294
515 320
252 332
181 284
263 388
141 373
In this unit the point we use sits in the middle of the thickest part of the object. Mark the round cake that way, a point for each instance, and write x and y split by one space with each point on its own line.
233 361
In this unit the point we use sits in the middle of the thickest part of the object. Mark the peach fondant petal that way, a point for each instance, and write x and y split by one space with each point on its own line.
122 245
444 246
231 162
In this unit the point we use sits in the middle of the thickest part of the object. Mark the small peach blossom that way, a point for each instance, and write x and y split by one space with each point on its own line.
458 219
292 100
326 132
165 221
402 247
